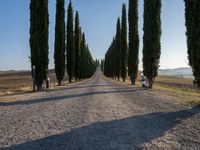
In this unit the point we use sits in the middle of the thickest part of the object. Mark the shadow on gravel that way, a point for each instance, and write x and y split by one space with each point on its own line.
59 98
124 134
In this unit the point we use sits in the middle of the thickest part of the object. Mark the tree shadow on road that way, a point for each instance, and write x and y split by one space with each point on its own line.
127 133
66 97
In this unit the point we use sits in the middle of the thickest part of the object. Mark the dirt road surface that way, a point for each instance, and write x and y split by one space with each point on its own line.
97 114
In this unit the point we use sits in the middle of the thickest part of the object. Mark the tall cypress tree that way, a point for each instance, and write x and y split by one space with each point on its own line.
151 39
192 16
133 59
33 40
39 30
102 65
70 43
59 54
82 59
118 49
124 45
110 60
77 46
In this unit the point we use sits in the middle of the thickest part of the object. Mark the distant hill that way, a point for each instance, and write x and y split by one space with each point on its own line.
20 72
185 72
13 72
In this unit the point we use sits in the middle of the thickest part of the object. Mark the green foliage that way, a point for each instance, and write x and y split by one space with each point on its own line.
82 59
59 55
133 59
87 64
102 65
39 30
70 43
192 17
124 46
112 62
151 39
118 49
77 46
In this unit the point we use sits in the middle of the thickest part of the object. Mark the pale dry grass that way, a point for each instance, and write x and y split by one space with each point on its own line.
179 89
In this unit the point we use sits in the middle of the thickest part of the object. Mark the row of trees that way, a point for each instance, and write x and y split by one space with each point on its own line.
80 63
115 64
151 42
70 45
127 53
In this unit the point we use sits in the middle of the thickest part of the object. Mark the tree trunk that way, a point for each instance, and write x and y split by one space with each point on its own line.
70 80
150 83
132 78
34 89
59 83
39 87
198 84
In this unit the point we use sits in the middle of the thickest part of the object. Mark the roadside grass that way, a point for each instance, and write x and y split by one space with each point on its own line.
19 84
179 89
191 96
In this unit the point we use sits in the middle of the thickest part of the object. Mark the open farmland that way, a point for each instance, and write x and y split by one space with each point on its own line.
18 82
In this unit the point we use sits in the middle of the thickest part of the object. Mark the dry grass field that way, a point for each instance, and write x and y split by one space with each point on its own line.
181 89
19 82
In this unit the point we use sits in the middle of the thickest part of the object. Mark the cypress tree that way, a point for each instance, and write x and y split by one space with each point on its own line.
70 43
133 59
192 17
82 59
110 61
39 30
77 46
87 64
102 65
59 54
114 58
118 49
33 39
151 39
124 44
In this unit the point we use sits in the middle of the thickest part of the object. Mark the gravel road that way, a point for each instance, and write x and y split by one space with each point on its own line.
97 114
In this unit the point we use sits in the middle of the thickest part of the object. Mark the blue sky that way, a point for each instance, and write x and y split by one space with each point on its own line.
98 20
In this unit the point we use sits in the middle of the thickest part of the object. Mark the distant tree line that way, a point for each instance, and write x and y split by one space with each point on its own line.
72 53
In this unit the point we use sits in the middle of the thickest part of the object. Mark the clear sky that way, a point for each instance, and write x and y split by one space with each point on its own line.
98 20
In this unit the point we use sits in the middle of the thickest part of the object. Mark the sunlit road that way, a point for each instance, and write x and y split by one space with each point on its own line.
97 114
